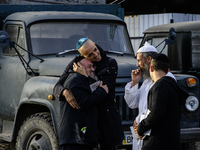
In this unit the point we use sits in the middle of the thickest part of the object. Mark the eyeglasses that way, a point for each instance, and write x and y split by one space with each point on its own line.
91 66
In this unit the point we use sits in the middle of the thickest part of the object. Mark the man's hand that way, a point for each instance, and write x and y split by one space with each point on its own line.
135 76
70 98
79 69
105 87
135 126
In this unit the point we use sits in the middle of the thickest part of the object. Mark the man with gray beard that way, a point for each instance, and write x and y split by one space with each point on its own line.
135 96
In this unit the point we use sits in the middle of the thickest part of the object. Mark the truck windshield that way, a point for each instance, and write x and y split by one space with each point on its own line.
157 42
55 37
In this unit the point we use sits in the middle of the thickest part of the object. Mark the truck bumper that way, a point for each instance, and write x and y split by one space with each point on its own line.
190 134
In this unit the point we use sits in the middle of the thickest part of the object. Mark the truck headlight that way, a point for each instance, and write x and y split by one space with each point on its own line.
192 103
191 82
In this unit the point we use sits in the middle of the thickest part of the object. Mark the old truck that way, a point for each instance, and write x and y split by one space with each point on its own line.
35 48
181 42
36 44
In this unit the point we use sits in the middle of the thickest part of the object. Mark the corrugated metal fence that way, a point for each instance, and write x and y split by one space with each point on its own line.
138 23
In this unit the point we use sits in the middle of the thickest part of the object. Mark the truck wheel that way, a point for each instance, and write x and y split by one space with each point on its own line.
189 146
37 133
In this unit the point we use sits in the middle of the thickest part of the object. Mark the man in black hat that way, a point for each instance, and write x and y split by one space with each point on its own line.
164 104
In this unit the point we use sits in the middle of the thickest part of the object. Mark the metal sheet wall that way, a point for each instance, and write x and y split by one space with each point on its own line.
137 24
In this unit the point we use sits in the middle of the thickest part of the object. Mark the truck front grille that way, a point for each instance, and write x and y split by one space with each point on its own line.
127 115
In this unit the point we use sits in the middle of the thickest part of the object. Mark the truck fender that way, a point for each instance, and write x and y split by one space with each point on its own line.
34 99
182 82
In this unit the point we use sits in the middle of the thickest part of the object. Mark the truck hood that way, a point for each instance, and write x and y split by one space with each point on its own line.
54 66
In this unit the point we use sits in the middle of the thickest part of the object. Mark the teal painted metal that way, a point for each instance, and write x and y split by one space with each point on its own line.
115 9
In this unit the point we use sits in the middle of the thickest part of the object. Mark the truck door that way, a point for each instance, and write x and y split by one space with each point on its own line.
12 73
195 53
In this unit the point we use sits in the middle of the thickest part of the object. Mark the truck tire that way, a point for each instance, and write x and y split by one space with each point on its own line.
189 146
37 133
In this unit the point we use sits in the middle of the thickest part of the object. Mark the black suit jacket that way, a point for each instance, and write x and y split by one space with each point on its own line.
164 104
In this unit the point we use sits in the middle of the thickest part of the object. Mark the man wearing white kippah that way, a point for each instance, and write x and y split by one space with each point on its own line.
135 96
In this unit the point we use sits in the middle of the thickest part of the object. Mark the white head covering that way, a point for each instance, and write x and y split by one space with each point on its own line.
147 48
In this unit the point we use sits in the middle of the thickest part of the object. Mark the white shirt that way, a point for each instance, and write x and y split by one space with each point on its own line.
137 98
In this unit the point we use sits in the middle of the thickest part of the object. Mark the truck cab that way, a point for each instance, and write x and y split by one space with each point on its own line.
35 48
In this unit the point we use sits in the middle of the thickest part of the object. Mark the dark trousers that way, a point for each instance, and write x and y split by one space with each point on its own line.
75 147
109 148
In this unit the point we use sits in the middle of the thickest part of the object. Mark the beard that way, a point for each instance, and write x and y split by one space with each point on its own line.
145 71
93 76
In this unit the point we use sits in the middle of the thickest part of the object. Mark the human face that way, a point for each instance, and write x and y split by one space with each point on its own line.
151 72
89 67
143 64
90 52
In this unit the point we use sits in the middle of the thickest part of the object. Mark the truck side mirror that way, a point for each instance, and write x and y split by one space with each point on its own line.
171 39
4 39
172 36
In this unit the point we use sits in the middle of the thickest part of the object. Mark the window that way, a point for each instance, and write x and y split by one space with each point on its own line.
159 44
16 34
55 37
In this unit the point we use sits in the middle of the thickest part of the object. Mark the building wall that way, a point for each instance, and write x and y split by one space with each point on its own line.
139 23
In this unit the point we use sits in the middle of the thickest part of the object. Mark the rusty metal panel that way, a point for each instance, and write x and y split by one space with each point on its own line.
114 9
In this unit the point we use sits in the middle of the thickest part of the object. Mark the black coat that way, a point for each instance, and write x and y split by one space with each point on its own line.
164 103
75 120
109 117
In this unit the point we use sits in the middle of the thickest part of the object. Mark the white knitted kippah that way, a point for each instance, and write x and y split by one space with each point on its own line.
147 48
